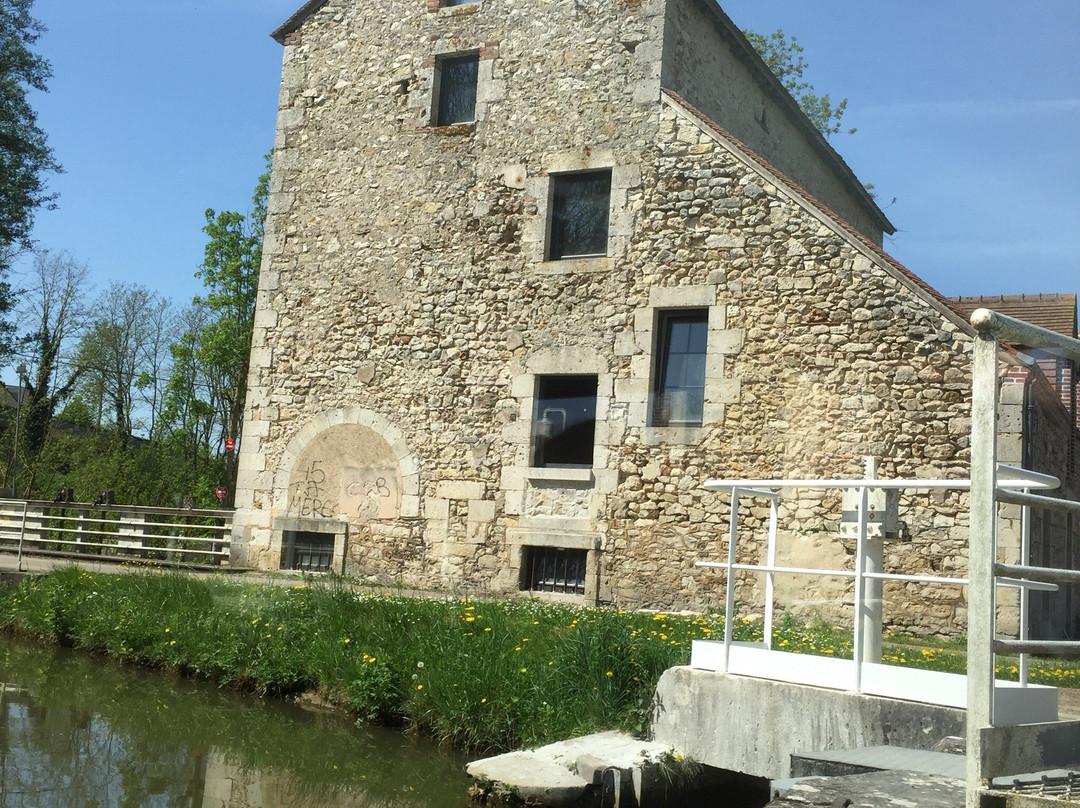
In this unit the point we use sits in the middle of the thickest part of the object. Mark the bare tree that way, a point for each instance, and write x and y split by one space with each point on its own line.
54 310
117 348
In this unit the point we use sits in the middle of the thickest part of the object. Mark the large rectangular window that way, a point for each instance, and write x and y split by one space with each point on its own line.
564 421
456 78
679 386
580 209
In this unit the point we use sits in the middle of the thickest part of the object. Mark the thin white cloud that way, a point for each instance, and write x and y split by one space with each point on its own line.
993 108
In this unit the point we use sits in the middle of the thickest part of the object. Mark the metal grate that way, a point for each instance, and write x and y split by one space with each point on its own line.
555 569
307 551
1064 786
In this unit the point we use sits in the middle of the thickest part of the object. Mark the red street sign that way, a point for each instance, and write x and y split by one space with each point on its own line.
222 492
230 444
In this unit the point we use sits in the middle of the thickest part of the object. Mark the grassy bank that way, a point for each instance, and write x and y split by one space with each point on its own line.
483 675
478 674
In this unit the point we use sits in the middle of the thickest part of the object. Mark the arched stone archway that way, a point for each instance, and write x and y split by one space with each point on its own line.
350 464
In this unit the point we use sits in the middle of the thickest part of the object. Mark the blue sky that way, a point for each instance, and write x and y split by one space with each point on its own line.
967 112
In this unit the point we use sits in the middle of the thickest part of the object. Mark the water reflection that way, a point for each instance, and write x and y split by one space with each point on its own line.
77 732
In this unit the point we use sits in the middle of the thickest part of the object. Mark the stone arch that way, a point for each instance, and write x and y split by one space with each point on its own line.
348 446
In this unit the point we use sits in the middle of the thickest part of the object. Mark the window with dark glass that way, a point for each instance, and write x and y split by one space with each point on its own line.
564 421
679 389
448 3
456 91
555 569
580 206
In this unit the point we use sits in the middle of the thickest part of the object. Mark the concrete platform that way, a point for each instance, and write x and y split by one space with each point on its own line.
887 789
839 762
576 771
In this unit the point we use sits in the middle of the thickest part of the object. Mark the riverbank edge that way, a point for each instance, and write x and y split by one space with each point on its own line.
64 607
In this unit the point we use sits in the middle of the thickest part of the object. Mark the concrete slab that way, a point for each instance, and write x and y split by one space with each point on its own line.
889 789
878 758
565 773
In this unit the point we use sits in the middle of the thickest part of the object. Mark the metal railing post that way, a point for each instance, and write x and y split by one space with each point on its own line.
873 563
770 577
729 587
982 554
859 637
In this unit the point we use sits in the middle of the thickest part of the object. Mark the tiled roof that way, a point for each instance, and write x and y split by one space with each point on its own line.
849 231
1056 312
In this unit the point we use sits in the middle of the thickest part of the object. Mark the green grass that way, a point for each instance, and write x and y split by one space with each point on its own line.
486 675
478 674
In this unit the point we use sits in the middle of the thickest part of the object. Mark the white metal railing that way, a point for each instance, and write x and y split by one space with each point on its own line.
168 535
983 567
868 569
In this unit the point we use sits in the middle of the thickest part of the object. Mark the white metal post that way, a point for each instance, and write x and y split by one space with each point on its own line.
729 593
982 555
858 641
770 577
873 588
1024 593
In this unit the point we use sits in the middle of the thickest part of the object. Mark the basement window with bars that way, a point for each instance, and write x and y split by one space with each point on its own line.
555 569
307 551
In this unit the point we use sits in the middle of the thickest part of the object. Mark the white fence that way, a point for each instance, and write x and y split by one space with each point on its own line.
116 532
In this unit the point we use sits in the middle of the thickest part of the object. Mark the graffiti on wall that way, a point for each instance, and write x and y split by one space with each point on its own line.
358 493
308 493
370 492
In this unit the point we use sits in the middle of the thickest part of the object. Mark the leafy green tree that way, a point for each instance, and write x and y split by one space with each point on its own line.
784 57
25 157
205 398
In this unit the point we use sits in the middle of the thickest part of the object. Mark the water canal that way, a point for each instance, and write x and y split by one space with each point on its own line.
78 731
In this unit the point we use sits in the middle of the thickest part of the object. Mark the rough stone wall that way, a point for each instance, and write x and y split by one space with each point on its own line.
840 359
701 66
370 291
406 311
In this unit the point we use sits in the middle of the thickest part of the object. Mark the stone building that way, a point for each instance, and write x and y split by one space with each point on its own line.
534 271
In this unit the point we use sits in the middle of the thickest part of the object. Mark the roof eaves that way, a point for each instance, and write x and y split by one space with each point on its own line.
297 19
770 83
944 304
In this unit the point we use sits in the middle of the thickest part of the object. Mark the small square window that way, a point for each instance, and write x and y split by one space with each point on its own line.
455 91
564 422
580 210
555 569
679 384
307 551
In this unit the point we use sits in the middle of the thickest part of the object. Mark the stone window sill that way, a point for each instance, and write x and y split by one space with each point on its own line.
451 130
575 477
454 11
574 266
656 435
